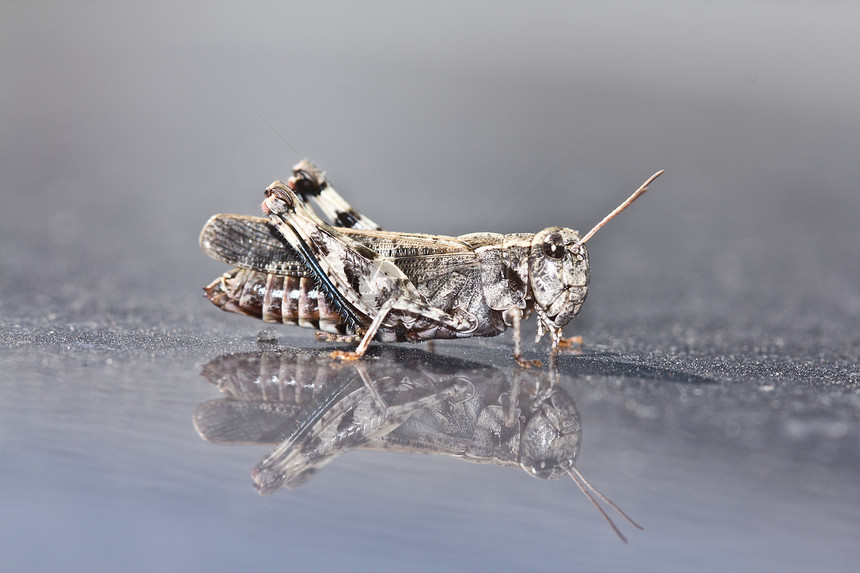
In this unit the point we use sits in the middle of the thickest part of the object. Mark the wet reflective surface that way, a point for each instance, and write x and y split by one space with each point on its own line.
714 399
315 409
103 443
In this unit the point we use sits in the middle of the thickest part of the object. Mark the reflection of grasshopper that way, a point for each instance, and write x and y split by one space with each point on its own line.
356 282
316 410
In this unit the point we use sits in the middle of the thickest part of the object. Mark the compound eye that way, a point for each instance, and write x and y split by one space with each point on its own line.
553 246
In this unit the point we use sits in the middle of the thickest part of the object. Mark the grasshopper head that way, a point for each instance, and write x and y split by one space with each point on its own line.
558 272
549 444
558 268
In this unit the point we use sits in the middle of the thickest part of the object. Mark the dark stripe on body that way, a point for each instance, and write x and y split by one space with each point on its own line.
347 218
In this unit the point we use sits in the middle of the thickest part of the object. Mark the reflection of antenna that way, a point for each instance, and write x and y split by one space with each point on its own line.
621 207
584 486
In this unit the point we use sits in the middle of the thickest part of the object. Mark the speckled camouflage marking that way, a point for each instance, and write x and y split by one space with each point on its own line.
309 182
276 298
392 286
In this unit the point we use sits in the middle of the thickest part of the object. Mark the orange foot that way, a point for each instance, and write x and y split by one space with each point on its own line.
568 342
527 363
345 356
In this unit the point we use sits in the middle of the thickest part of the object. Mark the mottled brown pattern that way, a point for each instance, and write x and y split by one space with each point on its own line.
272 298
398 286
275 298
290 303
308 312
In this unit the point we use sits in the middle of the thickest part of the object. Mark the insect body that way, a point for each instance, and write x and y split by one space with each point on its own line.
359 283
314 411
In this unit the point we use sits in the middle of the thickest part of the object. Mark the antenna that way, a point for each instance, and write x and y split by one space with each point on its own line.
606 219
278 134
584 486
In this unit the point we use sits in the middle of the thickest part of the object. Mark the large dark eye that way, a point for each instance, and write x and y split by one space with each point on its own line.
553 246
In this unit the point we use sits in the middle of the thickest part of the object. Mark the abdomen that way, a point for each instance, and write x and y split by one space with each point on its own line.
276 298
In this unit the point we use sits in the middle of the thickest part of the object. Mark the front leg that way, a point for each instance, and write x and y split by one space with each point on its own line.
515 314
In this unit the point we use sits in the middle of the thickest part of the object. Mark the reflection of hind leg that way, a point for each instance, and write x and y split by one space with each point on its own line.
414 397
309 181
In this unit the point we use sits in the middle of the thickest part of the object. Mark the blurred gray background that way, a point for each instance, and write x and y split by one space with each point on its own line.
126 125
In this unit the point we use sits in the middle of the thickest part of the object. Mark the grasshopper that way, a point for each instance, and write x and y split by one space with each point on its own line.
357 283
313 411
